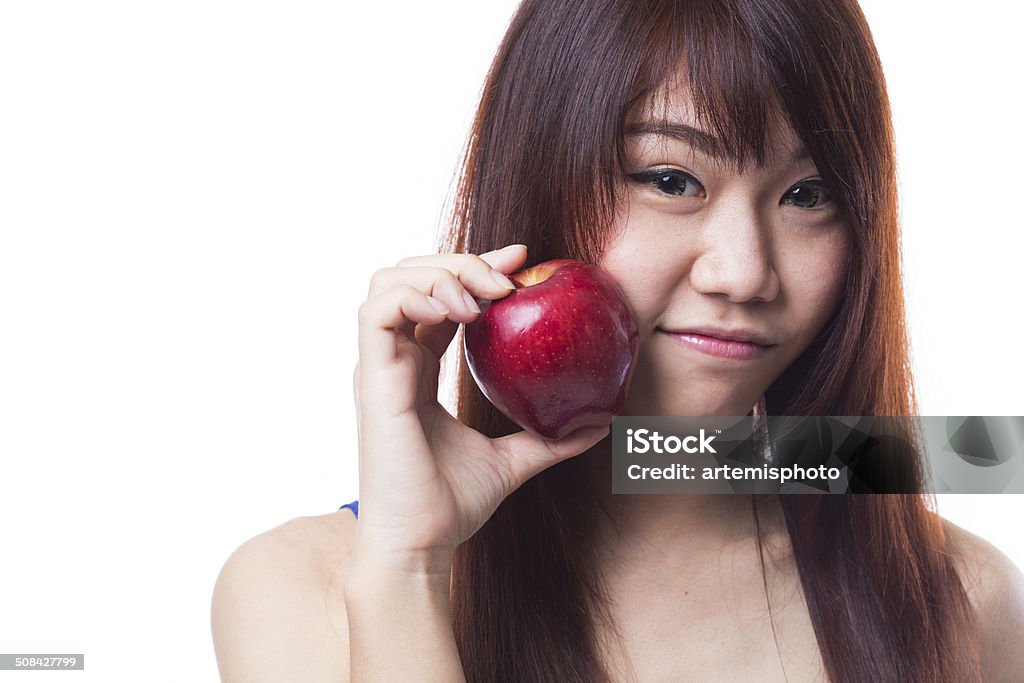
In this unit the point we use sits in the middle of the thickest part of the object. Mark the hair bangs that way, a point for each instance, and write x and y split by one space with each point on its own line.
706 49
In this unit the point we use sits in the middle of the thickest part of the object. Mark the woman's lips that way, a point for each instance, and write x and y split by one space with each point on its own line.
721 348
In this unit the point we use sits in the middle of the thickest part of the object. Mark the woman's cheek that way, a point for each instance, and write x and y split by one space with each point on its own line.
821 280
631 266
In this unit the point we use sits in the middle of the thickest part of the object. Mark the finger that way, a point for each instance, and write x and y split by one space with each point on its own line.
508 259
512 251
458 290
505 260
526 454
439 337
395 310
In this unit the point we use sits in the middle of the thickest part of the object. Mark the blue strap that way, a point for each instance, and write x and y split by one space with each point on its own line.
353 506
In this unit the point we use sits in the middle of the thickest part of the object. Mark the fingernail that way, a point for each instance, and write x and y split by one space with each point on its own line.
502 280
438 306
512 246
471 302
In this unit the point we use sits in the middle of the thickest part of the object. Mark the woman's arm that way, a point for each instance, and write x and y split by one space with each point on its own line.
278 612
427 482
995 586
290 603
400 623
1002 625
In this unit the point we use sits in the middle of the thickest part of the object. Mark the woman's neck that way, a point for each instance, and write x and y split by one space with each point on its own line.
678 529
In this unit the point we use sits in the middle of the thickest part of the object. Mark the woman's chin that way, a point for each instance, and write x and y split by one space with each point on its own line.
734 405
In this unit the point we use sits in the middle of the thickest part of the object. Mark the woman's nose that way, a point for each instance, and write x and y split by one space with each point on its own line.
736 257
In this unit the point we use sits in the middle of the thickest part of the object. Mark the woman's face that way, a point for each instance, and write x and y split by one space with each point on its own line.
699 245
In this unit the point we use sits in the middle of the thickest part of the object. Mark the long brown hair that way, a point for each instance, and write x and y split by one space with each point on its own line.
541 168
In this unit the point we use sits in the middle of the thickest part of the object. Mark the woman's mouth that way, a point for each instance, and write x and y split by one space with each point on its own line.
721 348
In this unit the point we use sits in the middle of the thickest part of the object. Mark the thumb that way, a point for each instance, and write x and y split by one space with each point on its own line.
527 454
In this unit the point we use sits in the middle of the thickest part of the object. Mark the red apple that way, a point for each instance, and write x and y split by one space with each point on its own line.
558 352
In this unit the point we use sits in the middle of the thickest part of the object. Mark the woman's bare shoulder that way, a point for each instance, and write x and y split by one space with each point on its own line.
278 611
995 586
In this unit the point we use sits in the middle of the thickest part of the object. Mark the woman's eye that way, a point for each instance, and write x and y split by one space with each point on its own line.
808 195
670 182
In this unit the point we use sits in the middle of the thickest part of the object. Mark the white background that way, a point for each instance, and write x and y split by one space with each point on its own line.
193 196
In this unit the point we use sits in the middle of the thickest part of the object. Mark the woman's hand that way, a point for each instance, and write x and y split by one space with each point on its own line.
426 481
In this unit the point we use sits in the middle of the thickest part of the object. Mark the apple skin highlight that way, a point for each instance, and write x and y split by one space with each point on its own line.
558 352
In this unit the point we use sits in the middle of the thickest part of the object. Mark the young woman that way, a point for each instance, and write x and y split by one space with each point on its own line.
731 164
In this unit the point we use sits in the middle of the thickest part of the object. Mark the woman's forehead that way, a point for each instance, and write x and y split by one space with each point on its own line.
669 113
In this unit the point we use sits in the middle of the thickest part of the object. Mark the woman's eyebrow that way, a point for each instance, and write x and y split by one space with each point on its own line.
695 137
700 140
799 154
